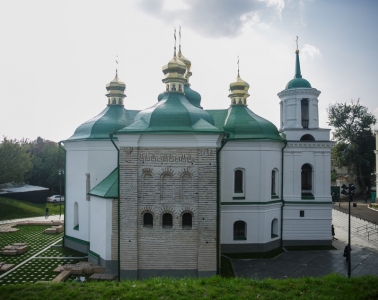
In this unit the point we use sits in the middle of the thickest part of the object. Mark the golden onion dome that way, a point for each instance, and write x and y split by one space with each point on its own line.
239 92
175 65
186 61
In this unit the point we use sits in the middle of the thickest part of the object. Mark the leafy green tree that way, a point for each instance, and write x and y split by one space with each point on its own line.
353 125
15 160
47 160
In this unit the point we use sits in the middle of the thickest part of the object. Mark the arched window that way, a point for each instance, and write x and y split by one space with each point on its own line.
273 183
76 216
240 230
167 187
306 175
186 187
238 182
304 113
148 187
167 220
148 220
307 138
186 221
274 228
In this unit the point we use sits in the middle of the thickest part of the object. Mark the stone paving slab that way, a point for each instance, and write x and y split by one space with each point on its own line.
364 259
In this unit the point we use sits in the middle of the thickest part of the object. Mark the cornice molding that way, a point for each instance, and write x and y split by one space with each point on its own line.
324 144
285 93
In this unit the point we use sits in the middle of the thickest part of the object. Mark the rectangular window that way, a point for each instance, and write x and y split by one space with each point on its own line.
301 213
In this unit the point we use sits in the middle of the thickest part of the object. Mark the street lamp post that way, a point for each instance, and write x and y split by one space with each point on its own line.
61 172
348 190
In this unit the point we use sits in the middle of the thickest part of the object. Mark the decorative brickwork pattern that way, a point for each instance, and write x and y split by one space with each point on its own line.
174 181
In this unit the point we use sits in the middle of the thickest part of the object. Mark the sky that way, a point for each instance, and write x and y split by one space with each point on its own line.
57 56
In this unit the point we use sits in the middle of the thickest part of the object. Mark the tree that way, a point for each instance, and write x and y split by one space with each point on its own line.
15 160
355 139
47 159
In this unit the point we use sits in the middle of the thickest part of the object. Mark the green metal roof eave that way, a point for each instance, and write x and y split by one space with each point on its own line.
108 187
169 131
257 139
89 139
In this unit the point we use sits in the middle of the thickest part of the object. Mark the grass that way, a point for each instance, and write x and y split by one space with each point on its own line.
374 206
39 268
226 268
16 209
328 287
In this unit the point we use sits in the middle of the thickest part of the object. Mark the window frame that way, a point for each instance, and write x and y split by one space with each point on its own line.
186 226
240 234
307 182
239 195
166 226
145 225
274 228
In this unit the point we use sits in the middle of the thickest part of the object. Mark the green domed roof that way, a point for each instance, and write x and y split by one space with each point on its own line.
242 123
192 96
172 114
112 118
297 81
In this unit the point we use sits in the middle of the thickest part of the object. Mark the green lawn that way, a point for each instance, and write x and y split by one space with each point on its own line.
328 287
44 256
16 209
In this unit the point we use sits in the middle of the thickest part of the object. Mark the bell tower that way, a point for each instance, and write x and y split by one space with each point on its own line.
299 102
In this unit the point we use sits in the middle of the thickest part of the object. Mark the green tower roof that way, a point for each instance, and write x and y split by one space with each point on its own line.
192 96
172 114
241 123
112 118
297 81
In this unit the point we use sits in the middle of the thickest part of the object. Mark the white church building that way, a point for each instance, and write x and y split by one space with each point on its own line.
168 189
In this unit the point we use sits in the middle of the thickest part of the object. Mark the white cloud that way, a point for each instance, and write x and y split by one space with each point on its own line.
250 18
310 51
171 5
278 5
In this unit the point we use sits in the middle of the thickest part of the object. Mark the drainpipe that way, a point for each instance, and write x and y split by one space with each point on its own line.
119 215
65 187
282 181
224 141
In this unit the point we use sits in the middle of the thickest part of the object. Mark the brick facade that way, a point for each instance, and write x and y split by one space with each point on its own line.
175 181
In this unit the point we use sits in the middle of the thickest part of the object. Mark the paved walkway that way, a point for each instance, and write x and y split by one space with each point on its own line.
53 217
364 257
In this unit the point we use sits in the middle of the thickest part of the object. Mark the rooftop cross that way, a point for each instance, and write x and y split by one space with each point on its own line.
116 60
238 67
179 38
174 34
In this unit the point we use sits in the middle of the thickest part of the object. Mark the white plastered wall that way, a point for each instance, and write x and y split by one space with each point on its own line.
318 155
315 225
101 227
98 158
257 159
258 219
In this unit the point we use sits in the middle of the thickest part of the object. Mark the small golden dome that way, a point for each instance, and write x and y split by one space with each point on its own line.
175 65
239 92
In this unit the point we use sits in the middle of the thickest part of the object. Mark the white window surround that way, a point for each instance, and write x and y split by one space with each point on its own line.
238 195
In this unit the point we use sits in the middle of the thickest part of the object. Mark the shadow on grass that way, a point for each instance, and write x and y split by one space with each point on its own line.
226 268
